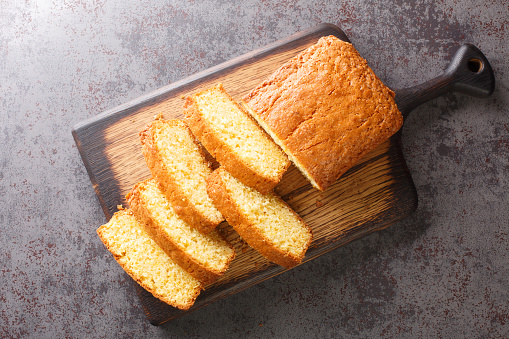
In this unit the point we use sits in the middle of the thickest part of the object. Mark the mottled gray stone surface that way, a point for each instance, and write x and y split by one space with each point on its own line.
443 272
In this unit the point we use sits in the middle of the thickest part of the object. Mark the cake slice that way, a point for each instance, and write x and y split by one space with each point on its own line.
234 139
146 262
177 162
265 222
326 108
205 257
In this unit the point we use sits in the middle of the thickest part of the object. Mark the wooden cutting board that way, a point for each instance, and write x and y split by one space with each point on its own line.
372 195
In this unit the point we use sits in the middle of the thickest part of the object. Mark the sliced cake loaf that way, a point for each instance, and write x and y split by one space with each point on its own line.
146 262
205 257
326 108
235 139
265 222
177 162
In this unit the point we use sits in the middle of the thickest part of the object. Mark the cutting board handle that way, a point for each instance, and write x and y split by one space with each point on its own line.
469 72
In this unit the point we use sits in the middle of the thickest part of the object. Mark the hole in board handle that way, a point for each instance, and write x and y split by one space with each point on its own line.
475 65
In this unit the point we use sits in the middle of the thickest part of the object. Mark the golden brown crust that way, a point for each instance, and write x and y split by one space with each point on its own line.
101 232
222 152
181 203
326 108
167 300
170 246
243 224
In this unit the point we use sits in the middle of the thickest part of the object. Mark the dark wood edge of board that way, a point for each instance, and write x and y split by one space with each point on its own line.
93 180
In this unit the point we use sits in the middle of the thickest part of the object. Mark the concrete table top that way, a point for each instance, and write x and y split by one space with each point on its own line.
442 272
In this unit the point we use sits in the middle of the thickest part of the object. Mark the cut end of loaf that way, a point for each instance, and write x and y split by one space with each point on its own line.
281 144
326 108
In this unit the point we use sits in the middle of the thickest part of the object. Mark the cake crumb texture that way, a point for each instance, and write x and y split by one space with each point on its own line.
235 139
265 222
177 162
205 257
146 262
